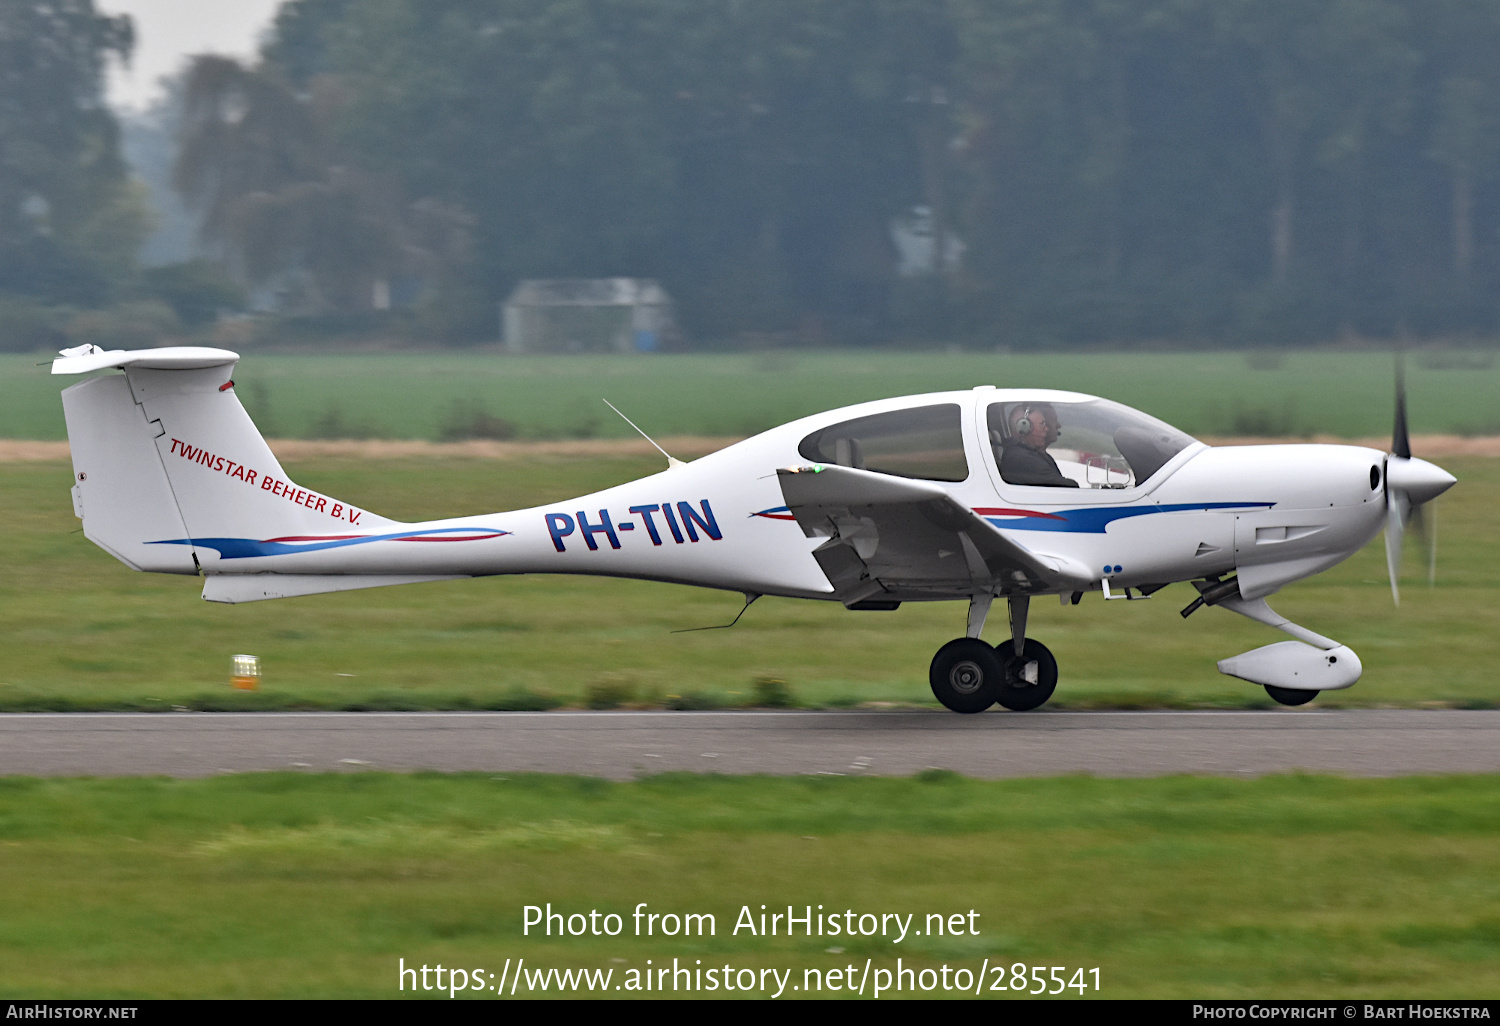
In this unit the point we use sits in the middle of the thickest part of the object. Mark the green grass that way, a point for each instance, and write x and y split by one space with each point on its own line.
83 632
1347 394
280 885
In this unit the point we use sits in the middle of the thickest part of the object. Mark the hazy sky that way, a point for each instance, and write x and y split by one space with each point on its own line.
166 31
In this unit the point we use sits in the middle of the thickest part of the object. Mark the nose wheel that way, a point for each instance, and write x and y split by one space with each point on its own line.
968 676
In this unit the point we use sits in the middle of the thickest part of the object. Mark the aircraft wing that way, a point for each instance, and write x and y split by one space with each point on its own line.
892 538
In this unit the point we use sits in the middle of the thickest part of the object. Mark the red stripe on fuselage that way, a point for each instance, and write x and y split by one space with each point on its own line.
987 511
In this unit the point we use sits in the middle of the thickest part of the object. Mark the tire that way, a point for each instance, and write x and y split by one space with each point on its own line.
1290 696
1016 693
965 675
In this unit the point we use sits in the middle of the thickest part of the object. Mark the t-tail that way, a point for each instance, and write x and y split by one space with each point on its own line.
170 475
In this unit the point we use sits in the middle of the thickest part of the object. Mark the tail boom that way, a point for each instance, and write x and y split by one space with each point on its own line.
172 476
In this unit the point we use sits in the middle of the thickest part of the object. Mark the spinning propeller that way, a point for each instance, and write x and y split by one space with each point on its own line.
1410 483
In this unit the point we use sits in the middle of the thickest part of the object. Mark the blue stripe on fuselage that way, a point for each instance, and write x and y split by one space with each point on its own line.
1094 519
246 548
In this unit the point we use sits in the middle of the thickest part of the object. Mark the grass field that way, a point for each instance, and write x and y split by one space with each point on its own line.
280 885
428 395
83 632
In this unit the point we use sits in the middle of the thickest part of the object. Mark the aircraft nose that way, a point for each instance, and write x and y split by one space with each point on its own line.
1420 480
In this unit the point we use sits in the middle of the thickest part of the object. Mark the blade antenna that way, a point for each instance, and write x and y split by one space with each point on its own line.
672 461
750 597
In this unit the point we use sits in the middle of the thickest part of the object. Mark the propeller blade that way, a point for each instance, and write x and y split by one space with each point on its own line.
1400 439
1397 507
1409 485
1424 523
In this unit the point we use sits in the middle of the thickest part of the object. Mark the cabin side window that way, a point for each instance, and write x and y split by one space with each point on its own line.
924 442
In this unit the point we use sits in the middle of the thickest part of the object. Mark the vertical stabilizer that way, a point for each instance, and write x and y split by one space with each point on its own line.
171 473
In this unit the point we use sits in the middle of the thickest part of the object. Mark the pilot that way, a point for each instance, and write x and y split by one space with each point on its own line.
1024 458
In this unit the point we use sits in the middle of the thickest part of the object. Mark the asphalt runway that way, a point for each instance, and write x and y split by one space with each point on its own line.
625 745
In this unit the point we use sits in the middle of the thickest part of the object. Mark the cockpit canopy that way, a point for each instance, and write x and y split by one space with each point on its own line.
1096 444
1092 443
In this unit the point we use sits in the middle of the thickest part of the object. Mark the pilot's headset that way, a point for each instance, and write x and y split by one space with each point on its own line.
1023 423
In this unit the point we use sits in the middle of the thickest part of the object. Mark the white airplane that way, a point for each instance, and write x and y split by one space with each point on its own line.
976 495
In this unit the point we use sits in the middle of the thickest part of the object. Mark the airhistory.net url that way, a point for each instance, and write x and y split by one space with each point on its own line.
515 979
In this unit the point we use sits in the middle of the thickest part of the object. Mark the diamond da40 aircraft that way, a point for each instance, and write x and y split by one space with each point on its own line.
993 493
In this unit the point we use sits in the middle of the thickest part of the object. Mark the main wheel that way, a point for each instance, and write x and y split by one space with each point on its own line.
1030 678
1290 696
965 675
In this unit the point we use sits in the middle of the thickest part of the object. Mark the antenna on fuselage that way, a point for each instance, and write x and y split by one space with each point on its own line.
672 461
750 598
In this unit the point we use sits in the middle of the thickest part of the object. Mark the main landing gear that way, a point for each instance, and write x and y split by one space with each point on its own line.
969 676
966 675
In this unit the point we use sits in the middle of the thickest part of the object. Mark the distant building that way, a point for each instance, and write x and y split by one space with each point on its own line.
915 236
586 315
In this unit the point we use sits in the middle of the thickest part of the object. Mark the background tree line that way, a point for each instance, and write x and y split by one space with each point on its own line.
1089 171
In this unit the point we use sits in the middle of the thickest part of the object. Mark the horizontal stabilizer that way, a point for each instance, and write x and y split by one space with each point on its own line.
83 359
234 588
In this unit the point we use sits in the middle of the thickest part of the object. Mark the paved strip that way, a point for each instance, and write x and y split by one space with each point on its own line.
623 745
